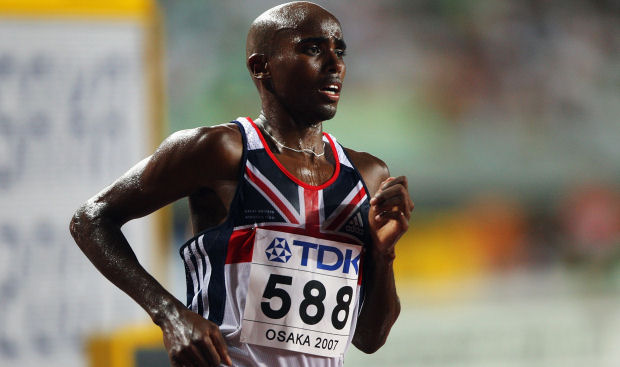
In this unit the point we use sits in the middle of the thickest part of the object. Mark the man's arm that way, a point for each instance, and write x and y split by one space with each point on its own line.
185 162
390 211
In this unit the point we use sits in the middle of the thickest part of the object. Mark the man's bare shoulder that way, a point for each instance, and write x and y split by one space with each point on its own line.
185 162
224 138
372 169
219 145
202 156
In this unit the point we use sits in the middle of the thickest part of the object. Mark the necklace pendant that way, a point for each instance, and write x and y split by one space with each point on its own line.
300 150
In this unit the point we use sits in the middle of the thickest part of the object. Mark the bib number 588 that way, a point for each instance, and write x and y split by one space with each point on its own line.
344 297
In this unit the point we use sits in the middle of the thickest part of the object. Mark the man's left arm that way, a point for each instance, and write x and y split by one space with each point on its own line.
390 211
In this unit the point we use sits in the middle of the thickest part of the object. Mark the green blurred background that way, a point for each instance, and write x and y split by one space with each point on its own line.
504 117
503 114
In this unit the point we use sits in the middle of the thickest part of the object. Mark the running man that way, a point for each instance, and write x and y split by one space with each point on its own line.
294 235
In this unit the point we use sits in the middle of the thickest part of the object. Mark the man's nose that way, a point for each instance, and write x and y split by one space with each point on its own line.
334 63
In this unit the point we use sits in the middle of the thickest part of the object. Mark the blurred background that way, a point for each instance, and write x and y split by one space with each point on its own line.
502 114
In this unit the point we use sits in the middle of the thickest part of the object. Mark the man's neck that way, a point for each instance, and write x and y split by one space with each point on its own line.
291 132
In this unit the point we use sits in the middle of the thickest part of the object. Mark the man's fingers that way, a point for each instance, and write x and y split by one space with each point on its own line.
199 344
200 357
394 213
391 181
222 349
386 182
391 196
394 204
209 352
178 358
390 187
397 215
184 358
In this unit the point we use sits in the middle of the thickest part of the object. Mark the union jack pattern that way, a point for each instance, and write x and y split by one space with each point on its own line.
308 213
270 197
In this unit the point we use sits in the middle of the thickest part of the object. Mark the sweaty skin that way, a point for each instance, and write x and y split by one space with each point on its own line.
294 52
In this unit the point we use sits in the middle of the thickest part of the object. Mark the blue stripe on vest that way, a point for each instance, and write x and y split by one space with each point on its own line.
216 250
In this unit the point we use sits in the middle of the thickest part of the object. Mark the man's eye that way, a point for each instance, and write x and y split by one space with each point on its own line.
313 50
341 53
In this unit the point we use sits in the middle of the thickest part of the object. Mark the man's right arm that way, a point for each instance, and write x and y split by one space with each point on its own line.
185 162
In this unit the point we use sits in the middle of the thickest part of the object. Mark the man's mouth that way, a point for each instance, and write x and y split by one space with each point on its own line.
332 91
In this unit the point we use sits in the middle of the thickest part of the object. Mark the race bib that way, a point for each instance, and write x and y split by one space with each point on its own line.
301 294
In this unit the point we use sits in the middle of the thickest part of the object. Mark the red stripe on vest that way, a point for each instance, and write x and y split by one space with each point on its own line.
275 200
346 212
240 246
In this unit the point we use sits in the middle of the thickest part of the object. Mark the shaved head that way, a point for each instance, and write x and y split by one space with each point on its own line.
282 17
294 53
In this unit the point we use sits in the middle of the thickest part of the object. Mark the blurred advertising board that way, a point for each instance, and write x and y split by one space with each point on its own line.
80 91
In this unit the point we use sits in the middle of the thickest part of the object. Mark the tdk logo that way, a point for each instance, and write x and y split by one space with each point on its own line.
345 260
278 250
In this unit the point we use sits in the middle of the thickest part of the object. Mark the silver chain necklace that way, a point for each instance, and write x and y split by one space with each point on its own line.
302 150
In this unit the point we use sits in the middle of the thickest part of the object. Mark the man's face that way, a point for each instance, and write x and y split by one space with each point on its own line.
307 68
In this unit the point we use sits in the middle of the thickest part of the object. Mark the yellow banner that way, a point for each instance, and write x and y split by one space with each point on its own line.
79 8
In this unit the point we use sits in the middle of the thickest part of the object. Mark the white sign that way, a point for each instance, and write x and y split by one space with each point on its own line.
302 293
72 119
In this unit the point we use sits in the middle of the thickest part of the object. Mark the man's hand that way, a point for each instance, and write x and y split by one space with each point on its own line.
151 184
390 211
192 341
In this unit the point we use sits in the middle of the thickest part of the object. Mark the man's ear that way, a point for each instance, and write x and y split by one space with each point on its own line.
259 67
